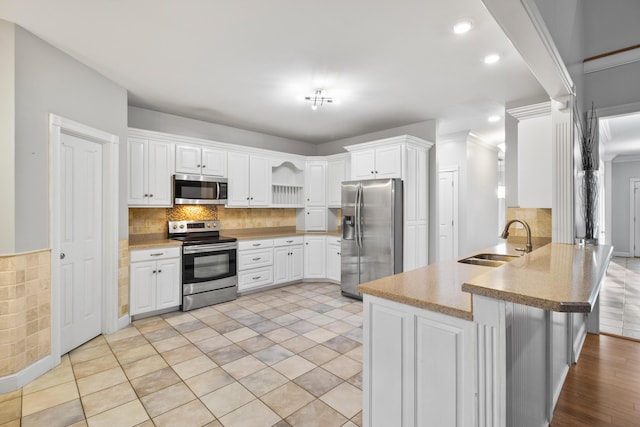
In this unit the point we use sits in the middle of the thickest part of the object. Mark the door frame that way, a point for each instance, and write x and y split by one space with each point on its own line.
455 229
110 201
632 211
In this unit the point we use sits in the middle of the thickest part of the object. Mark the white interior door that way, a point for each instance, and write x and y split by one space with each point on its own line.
447 215
80 241
636 219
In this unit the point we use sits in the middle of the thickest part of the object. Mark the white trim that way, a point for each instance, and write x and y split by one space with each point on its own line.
611 61
475 139
608 206
532 111
621 254
24 376
408 139
626 159
632 212
124 321
455 230
618 110
110 201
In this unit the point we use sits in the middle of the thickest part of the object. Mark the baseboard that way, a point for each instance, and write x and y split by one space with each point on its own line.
18 380
124 321
622 254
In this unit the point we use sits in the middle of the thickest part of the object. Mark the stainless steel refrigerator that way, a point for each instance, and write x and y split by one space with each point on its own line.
371 245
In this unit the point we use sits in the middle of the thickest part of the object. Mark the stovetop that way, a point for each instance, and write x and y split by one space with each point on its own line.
197 232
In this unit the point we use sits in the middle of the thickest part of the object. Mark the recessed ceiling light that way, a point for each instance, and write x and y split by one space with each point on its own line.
493 119
462 27
491 58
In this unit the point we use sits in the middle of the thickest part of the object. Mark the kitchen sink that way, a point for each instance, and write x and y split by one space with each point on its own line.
488 260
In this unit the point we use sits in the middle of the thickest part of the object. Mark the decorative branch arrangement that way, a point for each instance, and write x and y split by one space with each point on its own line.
588 191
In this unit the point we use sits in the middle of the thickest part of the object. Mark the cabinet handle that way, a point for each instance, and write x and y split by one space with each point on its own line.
257 244
289 241
158 254
256 278
256 259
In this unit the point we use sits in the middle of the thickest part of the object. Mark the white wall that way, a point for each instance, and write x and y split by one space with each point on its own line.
162 122
535 163
621 174
50 81
7 137
610 25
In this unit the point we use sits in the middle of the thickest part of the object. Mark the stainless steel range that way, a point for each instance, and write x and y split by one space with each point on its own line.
209 272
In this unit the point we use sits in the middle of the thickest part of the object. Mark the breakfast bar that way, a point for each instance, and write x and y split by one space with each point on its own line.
457 344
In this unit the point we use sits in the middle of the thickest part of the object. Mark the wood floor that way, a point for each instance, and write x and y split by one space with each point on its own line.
603 388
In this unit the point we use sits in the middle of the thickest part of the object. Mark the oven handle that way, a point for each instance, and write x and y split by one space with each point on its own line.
215 247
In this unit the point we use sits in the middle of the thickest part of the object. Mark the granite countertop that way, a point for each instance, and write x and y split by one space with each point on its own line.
553 277
556 277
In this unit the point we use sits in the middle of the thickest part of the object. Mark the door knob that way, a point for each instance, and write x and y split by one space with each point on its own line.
63 255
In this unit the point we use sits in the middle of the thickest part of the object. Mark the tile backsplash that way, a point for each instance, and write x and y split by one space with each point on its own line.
154 220
539 219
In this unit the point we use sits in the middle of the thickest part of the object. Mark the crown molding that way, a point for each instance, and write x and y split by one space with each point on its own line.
531 111
623 159
611 61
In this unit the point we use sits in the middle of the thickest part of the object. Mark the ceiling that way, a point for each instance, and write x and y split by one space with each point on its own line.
249 63
620 135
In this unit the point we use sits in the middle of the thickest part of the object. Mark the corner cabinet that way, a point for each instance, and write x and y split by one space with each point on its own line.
249 180
405 157
315 255
334 259
150 169
155 280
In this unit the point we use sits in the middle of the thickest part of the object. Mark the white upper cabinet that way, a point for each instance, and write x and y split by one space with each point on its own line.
150 166
249 180
200 160
337 171
315 183
381 162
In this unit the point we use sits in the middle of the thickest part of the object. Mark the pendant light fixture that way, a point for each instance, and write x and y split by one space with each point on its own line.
318 99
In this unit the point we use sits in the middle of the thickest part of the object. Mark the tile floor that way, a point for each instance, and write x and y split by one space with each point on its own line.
620 298
290 356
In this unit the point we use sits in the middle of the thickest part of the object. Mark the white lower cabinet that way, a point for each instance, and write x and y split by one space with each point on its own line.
333 259
155 280
315 255
418 367
255 264
288 259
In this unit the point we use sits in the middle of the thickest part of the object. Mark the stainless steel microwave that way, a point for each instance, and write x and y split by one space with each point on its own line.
199 190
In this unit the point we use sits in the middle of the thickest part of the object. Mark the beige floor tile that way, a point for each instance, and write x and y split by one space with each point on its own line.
287 399
319 354
209 381
316 414
150 324
357 420
242 367
178 318
61 415
181 354
164 400
280 334
355 354
343 366
129 414
99 340
11 409
298 344
90 367
133 354
344 398
255 344
227 399
14 423
101 381
201 334
339 327
128 343
263 381
195 366
170 343
320 335
254 414
128 332
82 423
5 397
90 353
193 414
212 344
240 334
50 397
63 373
109 398
144 366
318 381
154 381
293 367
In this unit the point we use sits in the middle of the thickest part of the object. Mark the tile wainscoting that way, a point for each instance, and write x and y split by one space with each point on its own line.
25 309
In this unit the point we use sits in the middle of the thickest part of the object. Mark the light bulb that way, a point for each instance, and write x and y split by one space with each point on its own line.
314 107
462 27
492 58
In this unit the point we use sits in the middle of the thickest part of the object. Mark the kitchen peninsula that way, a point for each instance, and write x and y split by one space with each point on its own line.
454 344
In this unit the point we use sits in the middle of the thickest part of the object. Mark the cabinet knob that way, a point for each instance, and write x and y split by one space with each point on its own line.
197 166
308 213
376 171
204 166
63 255
159 271
153 272
252 198
247 198
150 195
371 171
146 195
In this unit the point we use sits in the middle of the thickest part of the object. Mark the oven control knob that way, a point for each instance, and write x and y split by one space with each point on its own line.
181 225
208 225
175 226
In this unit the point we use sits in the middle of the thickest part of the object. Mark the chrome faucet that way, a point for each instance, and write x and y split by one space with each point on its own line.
505 234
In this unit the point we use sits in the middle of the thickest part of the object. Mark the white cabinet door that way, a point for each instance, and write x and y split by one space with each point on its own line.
168 283
315 183
238 193
143 283
137 184
214 162
336 173
315 255
188 159
160 171
259 181
281 264
363 164
296 262
316 219
333 262
389 162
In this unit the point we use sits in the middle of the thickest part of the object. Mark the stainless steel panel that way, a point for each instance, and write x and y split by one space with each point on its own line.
203 299
195 288
349 260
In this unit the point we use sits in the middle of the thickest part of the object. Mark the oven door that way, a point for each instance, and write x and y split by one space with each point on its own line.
208 262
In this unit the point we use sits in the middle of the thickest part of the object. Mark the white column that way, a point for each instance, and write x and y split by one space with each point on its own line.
563 207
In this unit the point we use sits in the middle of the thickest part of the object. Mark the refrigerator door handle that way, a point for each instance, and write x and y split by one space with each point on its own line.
358 213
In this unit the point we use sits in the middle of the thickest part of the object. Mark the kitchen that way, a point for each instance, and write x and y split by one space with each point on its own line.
28 226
